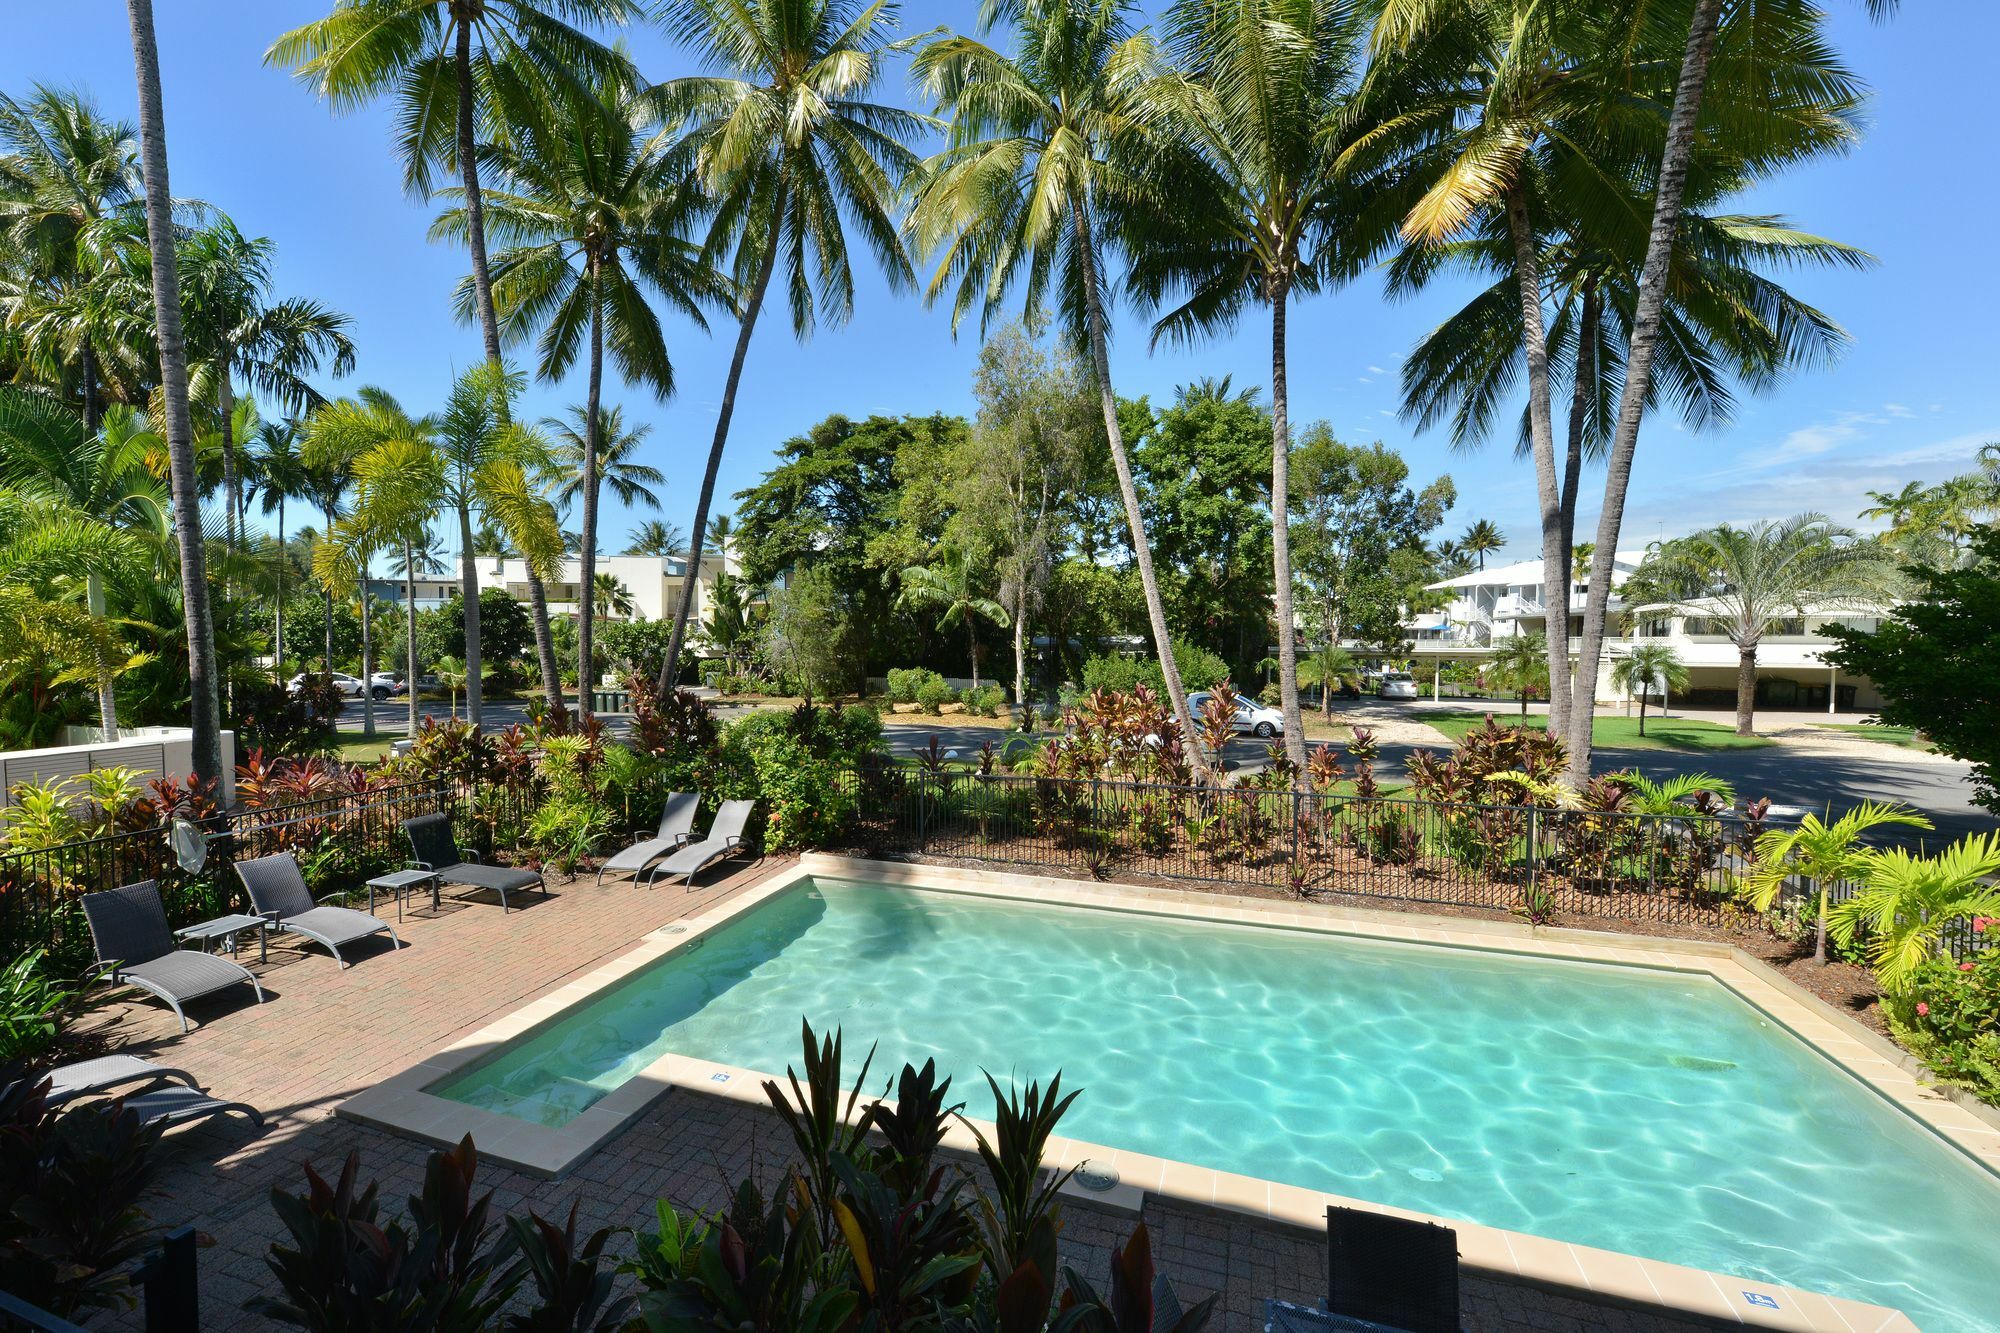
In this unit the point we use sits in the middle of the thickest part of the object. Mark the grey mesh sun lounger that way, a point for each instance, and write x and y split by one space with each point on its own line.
176 1106
435 849
67 1082
676 827
277 889
129 928
725 835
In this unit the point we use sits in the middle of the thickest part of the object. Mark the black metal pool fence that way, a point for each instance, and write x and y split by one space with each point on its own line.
1565 864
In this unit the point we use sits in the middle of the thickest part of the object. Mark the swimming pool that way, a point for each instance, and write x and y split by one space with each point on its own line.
1642 1111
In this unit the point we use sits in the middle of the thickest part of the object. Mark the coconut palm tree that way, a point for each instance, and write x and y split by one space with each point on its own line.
1806 87
1906 902
950 587
1266 93
721 533
656 537
611 597
205 710
1028 193
782 138
278 475
1647 667
1482 539
1327 668
594 206
1521 662
1747 580
450 64
617 458
1824 853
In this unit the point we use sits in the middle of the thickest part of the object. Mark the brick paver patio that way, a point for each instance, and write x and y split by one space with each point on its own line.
325 1033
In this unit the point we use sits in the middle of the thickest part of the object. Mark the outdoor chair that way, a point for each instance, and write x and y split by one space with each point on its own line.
277 889
83 1077
129 927
1393 1271
725 835
435 848
676 827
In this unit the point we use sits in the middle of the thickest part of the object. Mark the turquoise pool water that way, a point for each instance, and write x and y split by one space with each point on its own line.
1638 1111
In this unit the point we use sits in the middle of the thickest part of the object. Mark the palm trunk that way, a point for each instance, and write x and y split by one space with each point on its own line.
972 644
671 668
225 401
468 592
278 607
475 224
592 439
1647 311
93 407
545 642
1746 689
1582 393
367 658
410 632
1135 522
107 699
205 714
1642 709
1281 536
1542 440
1020 651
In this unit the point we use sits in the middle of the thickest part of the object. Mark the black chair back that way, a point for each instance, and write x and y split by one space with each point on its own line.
1392 1270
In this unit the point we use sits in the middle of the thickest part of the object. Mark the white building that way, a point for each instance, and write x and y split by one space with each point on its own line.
1490 606
654 582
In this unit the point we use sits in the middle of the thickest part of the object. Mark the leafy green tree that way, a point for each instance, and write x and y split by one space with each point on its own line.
794 156
505 634
1936 660
1649 667
1029 193
952 588
728 627
1361 537
307 614
1746 580
804 638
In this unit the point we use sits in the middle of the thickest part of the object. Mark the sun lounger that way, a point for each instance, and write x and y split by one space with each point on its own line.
277 889
129 928
435 849
67 1082
676 827
177 1106
725 835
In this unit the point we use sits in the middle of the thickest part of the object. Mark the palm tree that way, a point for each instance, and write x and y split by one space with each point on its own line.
415 554
594 206
617 458
1266 96
611 597
340 563
1906 903
431 54
205 711
793 156
1807 88
1028 192
1327 668
66 171
1647 667
1521 662
721 533
951 588
1746 580
1482 539
279 474
656 537
1827 854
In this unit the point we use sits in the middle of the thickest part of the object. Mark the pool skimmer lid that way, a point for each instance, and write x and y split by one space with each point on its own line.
1097 1177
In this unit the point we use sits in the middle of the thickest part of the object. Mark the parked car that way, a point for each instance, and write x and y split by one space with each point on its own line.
385 683
1259 720
349 686
1397 685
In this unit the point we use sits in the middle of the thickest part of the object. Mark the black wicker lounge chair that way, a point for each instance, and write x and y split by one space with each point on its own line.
435 849
129 928
277 889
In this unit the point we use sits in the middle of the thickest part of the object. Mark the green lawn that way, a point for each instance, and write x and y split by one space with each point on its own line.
1875 731
1662 733
354 748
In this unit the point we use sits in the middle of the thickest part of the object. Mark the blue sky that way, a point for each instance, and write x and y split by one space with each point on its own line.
1912 397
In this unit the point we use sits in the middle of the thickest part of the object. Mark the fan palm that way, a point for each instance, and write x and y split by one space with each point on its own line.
1826 854
782 138
1266 94
1028 192
1649 666
594 205
205 706
448 63
656 537
1745 580
1520 662
617 458
1482 539
951 588
1906 902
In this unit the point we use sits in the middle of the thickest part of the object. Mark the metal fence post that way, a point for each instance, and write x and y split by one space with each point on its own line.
173 1298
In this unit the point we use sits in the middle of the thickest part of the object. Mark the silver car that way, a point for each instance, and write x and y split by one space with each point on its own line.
1397 685
1259 720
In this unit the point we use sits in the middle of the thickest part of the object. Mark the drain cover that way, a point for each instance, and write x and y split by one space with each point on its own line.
674 930
1425 1174
1097 1177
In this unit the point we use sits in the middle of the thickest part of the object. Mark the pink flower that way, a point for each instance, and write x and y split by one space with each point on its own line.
1922 1008
1965 967
1980 923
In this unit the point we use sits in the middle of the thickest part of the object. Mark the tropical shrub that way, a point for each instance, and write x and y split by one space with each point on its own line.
1200 670
35 1006
933 694
795 762
445 749
271 717
1907 904
1949 1015
1823 854
903 683
986 701
572 817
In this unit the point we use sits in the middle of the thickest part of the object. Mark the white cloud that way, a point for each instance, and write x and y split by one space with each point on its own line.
1897 410
1377 370
1363 379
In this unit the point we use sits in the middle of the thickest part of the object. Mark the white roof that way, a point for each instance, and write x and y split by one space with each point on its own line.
1525 573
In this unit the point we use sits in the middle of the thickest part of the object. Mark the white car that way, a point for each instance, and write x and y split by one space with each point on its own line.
382 684
1397 685
1259 720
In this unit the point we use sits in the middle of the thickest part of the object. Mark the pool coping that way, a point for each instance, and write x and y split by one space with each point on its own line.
402 1105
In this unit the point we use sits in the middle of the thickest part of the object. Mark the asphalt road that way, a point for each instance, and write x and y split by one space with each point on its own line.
1795 779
